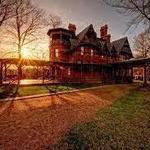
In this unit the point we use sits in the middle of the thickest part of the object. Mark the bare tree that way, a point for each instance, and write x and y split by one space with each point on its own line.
24 27
139 10
142 49
53 21
6 11
142 44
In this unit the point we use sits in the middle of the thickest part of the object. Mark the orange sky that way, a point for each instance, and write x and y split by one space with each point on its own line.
79 12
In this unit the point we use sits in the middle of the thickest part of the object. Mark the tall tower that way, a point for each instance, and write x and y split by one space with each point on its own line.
59 43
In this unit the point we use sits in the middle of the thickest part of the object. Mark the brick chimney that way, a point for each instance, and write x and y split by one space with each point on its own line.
104 33
72 27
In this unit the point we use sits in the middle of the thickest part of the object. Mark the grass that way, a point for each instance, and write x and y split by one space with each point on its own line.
40 123
124 125
9 91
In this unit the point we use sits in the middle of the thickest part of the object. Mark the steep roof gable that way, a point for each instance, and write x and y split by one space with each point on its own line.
122 45
83 33
88 36
118 44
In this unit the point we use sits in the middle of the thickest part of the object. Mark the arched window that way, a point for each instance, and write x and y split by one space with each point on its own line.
56 52
92 52
82 50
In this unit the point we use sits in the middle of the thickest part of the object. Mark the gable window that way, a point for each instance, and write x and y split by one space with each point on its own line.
122 57
56 53
92 52
82 50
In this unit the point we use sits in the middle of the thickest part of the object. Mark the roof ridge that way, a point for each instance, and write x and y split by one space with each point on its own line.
85 29
125 37
81 35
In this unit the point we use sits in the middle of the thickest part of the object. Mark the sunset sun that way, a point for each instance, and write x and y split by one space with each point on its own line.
25 53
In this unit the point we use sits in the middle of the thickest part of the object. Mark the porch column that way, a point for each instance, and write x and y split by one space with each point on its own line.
37 72
81 72
43 75
113 77
145 75
5 71
103 80
132 74
50 72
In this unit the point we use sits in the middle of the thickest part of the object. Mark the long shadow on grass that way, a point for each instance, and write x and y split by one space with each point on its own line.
11 92
47 110
124 115
55 89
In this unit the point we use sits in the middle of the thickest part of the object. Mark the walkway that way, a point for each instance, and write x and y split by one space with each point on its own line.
41 122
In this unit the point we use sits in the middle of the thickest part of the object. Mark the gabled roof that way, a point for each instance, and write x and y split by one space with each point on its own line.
82 34
112 49
118 44
79 40
103 46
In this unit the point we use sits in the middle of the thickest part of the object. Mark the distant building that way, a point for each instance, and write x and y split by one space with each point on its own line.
138 73
85 57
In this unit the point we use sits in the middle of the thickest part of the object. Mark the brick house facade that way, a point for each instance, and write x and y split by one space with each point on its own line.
85 57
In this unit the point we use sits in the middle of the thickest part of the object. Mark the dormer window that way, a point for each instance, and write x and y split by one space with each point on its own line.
56 52
82 50
92 52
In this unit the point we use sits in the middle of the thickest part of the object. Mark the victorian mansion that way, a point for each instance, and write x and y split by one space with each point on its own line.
87 56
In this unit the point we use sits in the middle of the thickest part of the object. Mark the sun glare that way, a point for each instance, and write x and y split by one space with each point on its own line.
25 53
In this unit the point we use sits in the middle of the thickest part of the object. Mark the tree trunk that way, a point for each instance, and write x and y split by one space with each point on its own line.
19 64
19 73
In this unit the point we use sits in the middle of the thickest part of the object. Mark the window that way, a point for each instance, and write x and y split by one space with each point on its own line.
69 71
92 52
122 57
56 52
82 50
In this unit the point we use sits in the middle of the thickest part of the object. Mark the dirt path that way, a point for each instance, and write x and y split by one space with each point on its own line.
40 122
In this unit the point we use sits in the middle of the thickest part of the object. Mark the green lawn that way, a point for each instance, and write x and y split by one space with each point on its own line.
30 90
9 91
124 125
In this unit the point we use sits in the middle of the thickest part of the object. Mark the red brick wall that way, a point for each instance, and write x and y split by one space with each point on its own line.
87 58
61 52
